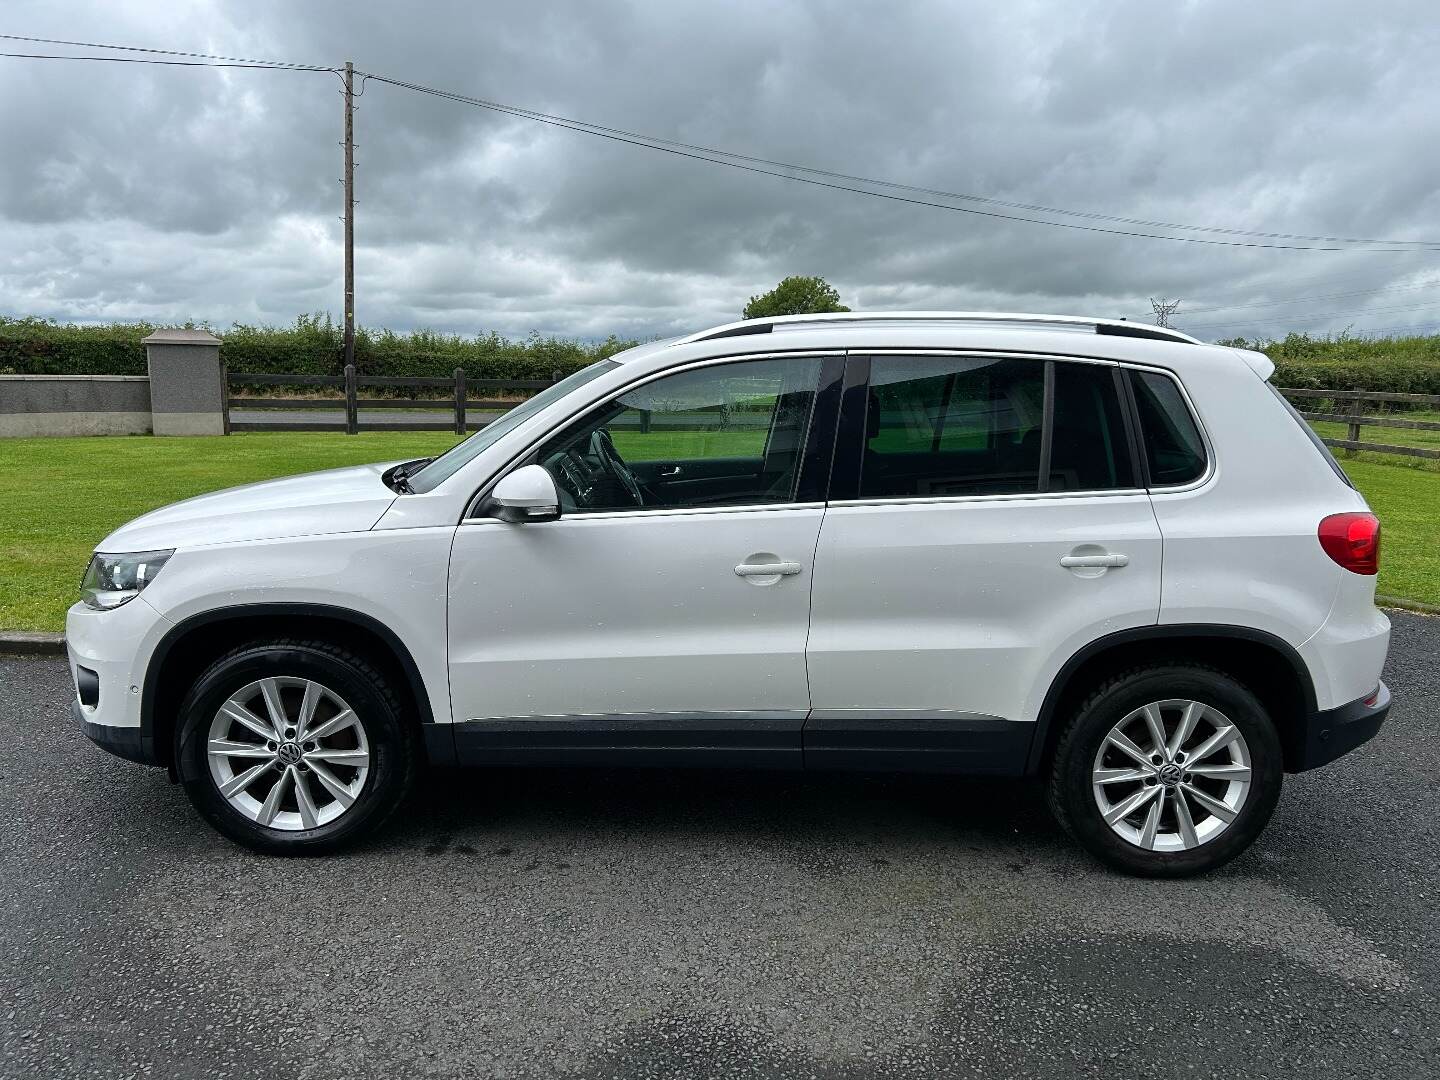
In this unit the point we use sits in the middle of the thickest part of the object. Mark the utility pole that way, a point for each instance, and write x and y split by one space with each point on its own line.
1163 308
349 213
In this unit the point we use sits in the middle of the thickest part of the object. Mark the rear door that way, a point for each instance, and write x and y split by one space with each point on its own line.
986 520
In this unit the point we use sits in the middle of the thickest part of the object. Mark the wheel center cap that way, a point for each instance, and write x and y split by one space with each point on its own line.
1170 774
289 753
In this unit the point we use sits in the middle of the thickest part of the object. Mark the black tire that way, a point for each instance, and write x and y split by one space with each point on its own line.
1071 795
394 753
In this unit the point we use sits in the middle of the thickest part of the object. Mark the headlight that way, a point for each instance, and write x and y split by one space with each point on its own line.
111 580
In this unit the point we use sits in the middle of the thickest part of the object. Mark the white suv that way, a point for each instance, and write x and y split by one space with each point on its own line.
1098 553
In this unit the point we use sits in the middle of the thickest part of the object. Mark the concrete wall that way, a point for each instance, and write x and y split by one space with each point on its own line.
187 382
184 394
74 405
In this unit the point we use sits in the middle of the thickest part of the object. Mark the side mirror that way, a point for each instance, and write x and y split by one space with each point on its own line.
527 495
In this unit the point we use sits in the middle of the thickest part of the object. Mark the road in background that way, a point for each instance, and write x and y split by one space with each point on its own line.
713 924
384 417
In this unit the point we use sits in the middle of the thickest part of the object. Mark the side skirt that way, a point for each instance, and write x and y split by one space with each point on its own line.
933 742
647 740
960 743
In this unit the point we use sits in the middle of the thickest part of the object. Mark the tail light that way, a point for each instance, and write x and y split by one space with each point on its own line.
1353 541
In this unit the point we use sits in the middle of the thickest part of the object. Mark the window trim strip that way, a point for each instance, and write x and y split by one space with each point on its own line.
1139 466
1047 429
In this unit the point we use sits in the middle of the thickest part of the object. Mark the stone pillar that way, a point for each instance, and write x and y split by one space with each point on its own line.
187 388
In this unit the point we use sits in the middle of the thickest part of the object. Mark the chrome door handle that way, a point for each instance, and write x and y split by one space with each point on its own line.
1094 560
668 472
767 569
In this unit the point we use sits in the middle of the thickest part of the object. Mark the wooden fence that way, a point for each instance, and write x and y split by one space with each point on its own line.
1356 420
458 406
457 403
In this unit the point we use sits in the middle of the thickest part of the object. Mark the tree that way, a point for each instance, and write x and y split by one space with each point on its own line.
795 296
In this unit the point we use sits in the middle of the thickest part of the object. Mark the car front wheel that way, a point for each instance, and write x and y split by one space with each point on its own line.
1167 770
294 747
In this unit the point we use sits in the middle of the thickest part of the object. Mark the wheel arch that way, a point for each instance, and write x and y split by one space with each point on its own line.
193 642
1267 665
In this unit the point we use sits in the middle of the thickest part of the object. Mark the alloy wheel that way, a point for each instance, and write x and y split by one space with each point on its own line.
1172 775
288 753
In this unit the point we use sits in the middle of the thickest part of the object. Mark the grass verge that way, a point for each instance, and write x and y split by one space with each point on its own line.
60 496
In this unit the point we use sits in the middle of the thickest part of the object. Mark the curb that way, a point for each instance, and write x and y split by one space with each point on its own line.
1408 605
28 643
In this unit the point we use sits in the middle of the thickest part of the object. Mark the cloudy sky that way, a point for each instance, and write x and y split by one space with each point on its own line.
172 193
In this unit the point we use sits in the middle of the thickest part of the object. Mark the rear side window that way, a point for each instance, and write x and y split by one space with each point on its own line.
1169 437
944 426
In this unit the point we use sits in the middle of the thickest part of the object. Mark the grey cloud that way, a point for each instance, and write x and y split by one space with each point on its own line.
161 193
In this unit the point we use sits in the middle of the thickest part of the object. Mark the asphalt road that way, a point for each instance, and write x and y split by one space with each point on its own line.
611 924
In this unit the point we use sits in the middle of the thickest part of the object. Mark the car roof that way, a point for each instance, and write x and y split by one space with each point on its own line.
1062 335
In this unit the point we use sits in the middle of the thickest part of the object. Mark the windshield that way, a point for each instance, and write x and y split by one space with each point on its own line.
459 455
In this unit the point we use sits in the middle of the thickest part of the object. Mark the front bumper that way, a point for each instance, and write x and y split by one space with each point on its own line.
1329 733
108 652
128 743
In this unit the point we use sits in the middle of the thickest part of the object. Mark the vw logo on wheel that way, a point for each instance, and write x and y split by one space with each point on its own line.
1170 774
289 753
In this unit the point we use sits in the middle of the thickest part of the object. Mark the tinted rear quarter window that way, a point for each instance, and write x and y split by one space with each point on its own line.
1169 437
1089 449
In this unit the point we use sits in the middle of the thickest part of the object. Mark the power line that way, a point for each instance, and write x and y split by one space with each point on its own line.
1094 215
736 161
164 63
1321 296
1392 330
1312 316
161 52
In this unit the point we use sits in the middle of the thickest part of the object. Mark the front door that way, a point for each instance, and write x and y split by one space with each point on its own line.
664 616
985 524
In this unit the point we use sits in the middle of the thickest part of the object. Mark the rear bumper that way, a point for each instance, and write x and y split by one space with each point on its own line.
1330 733
128 743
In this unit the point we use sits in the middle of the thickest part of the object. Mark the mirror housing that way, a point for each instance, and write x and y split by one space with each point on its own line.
526 496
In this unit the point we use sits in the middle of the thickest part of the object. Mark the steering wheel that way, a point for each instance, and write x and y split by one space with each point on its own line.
602 449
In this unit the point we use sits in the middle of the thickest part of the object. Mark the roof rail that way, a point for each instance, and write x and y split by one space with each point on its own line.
994 319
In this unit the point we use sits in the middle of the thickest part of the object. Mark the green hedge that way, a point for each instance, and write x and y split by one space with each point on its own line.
1406 365
313 346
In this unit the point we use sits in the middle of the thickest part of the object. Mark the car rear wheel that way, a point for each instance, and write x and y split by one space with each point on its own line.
294 747
1167 770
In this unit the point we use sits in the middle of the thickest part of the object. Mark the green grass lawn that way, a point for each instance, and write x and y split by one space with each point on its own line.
1407 501
58 497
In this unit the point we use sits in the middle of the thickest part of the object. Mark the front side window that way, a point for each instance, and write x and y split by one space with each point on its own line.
725 435
461 454
1170 439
